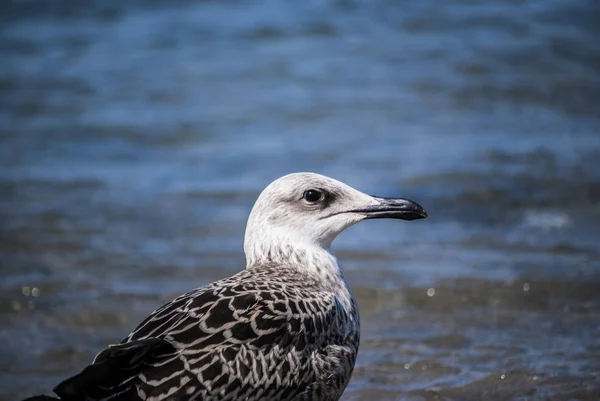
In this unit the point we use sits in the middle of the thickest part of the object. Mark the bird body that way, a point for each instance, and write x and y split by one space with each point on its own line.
284 329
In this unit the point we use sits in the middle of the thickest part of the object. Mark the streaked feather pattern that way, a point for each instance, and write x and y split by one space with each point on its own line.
267 333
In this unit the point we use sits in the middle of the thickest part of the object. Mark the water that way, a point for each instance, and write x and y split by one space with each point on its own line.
135 137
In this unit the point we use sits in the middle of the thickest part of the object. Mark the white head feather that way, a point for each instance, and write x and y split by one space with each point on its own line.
296 218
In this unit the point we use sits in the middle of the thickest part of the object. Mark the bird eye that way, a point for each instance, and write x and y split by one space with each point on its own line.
312 195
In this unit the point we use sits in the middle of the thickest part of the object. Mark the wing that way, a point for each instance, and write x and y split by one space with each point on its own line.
232 339
111 368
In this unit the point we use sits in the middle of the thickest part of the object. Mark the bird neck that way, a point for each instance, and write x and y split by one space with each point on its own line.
311 260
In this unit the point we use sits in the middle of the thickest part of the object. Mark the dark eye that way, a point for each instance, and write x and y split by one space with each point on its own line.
312 195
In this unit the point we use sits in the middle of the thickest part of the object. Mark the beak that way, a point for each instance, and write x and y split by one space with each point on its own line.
393 208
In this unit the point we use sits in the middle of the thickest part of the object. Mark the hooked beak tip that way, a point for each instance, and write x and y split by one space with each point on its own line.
394 208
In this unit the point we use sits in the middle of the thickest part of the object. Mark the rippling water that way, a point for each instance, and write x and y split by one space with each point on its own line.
135 136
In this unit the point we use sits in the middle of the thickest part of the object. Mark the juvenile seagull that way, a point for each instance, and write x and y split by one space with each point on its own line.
284 329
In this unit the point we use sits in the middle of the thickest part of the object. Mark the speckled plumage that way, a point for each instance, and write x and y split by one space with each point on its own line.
284 329
266 333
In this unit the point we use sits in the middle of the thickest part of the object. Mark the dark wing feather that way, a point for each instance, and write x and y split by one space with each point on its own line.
240 338
113 366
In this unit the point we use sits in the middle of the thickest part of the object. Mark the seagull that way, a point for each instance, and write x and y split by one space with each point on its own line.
286 328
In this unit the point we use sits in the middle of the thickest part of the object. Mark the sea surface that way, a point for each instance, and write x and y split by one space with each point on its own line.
136 135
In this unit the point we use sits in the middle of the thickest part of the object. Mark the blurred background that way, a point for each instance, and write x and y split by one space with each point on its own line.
136 135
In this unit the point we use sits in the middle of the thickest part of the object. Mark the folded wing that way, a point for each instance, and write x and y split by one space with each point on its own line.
229 340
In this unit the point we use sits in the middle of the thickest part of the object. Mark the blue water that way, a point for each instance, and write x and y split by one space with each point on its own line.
135 137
